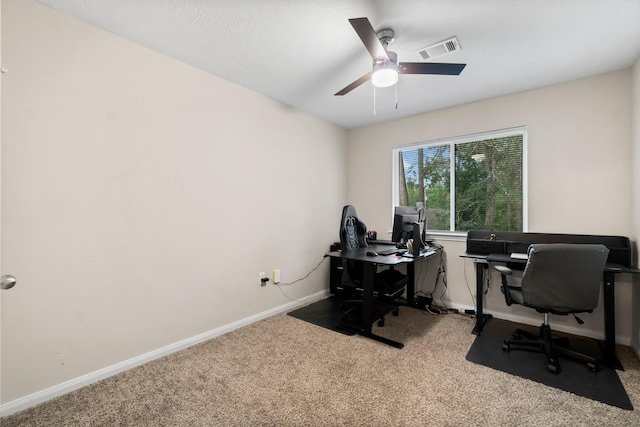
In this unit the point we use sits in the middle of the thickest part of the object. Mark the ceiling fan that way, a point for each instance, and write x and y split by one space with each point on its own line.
385 62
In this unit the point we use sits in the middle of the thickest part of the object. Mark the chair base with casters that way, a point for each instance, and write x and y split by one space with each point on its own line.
551 346
558 279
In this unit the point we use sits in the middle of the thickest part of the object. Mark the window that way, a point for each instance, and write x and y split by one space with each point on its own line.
476 182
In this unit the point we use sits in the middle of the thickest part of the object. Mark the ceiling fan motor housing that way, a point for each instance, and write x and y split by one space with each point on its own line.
393 59
386 36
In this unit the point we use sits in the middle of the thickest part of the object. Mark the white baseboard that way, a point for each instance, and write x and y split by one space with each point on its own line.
92 377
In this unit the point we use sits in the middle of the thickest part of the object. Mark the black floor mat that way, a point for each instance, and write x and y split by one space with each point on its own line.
602 386
326 313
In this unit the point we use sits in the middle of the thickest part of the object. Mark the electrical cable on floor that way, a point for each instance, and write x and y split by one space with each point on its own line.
428 310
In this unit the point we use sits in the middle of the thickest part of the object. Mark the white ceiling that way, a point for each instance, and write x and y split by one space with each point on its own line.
301 52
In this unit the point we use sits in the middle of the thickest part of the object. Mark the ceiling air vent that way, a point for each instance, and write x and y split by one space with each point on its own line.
438 49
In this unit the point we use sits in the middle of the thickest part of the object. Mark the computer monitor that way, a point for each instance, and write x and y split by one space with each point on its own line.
403 219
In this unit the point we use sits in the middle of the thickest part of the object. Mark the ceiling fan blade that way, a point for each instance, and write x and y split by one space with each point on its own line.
354 85
369 37
430 68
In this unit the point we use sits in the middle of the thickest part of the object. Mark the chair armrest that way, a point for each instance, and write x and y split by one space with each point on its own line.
505 288
505 271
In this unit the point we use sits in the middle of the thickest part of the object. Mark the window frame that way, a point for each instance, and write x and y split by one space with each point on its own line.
452 142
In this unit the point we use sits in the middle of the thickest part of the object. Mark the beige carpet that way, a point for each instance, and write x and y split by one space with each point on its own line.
286 372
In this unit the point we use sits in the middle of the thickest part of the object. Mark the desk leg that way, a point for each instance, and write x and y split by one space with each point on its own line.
411 284
610 358
367 309
481 318
367 297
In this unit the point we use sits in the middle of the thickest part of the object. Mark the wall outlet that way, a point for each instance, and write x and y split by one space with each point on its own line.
275 275
262 275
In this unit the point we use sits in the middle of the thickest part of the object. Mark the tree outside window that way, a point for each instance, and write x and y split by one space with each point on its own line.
481 188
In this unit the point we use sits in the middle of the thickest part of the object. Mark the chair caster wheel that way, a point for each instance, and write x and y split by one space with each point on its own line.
381 323
506 346
592 367
396 312
554 369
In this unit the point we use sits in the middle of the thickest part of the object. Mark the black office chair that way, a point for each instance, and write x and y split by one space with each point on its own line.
558 279
388 284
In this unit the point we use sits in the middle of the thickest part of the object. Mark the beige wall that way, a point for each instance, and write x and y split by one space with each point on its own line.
1 270
635 122
141 198
579 150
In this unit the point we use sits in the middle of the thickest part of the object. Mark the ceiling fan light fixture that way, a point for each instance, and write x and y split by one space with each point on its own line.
385 74
384 77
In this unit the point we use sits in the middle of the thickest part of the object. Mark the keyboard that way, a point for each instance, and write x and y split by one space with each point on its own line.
516 255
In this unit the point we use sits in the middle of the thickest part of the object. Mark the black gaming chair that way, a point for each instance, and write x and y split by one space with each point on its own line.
388 284
557 279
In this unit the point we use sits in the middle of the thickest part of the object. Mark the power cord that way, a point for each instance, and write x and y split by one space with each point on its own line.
279 285
466 280
487 278
442 271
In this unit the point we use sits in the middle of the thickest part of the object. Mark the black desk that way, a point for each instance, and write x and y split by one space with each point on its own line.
507 243
369 269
